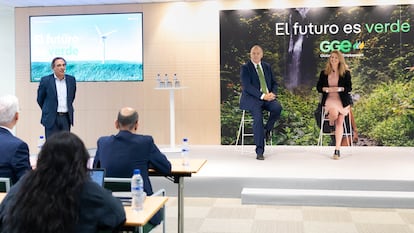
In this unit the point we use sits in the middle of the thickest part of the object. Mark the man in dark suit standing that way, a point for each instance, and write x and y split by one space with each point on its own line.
120 154
14 153
55 97
259 92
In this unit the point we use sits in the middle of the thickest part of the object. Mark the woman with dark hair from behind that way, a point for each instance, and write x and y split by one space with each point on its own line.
59 195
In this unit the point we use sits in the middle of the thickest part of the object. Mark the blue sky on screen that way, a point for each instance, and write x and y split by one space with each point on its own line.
87 37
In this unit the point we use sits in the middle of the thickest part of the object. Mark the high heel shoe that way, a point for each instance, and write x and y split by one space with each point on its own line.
336 155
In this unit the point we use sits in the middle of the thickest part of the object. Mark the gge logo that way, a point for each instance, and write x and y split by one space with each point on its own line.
344 46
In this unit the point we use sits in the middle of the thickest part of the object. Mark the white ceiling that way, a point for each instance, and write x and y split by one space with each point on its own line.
32 3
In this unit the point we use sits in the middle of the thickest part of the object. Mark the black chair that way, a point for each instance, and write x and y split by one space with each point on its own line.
116 184
5 184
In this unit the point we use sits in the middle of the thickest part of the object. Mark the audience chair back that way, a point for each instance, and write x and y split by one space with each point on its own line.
116 184
4 184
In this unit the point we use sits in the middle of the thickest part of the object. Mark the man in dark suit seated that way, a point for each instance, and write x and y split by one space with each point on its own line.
14 153
259 92
120 154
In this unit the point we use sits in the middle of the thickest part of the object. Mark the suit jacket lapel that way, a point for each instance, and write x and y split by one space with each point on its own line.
254 71
68 91
53 84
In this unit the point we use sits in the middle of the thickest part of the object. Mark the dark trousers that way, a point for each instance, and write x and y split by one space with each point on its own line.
274 108
61 124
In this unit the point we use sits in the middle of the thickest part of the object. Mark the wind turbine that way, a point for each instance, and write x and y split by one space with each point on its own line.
103 37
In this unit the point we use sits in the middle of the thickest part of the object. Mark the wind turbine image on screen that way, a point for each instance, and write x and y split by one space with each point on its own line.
98 47
103 37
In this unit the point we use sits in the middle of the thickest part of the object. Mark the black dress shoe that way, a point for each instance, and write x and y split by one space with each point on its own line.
259 157
336 155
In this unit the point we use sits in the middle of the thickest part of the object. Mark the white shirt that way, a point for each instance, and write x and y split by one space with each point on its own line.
62 93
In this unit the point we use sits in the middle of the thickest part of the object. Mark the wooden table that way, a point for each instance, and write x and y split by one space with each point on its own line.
178 172
137 218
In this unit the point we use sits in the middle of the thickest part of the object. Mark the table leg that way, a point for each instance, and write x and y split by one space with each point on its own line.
181 204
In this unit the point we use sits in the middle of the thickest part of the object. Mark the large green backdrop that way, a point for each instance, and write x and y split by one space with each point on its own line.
378 44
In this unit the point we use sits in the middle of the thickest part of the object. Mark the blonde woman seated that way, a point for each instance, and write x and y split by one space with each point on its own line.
335 84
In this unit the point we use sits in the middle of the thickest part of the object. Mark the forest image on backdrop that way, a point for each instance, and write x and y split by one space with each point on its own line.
378 45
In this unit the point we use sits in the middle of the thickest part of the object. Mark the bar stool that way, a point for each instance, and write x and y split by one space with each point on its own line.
325 120
241 133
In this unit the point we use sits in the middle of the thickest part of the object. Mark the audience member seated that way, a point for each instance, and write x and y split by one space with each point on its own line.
120 154
59 195
14 159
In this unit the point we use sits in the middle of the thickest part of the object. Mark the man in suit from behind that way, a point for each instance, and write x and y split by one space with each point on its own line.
258 96
120 154
14 153
55 97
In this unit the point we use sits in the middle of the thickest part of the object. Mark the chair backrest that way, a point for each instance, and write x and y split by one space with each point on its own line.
4 184
116 184
161 192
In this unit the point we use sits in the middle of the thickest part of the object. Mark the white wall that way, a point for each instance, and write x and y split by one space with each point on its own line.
7 51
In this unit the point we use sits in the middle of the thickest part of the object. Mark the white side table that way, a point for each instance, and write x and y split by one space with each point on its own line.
172 147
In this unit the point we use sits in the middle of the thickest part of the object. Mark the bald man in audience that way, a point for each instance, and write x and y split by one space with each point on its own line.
120 154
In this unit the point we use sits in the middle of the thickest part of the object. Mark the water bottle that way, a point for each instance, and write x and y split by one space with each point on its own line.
137 191
176 81
168 83
40 143
159 81
185 150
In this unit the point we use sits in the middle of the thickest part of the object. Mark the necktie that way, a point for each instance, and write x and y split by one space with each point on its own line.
262 80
